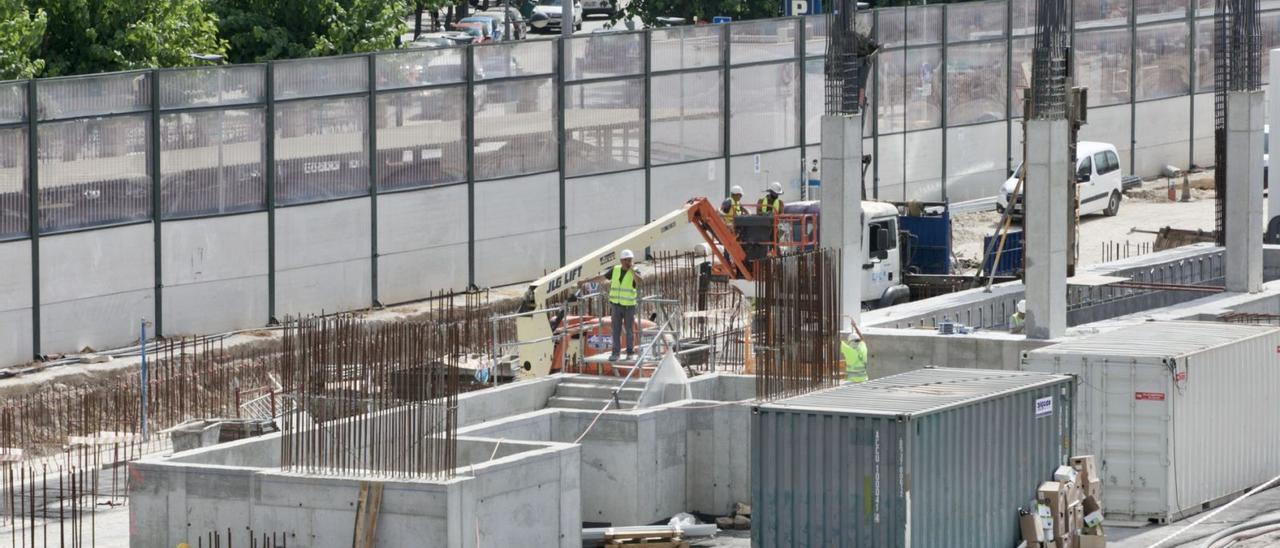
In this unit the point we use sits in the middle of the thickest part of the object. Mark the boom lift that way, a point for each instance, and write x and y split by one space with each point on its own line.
537 346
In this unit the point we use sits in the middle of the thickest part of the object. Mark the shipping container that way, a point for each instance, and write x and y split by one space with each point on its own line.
1180 415
930 458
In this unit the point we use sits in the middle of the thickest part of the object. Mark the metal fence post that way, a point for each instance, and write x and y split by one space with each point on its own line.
1133 88
559 109
942 110
470 117
875 108
373 178
726 109
153 163
269 84
33 210
647 142
1192 77
1008 86
802 74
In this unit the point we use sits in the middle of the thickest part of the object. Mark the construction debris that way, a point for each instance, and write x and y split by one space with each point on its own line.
1067 512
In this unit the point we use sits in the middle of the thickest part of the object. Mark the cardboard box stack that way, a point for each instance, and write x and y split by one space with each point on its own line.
1067 512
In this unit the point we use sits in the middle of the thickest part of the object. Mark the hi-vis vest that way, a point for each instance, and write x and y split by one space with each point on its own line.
766 206
735 207
855 361
622 287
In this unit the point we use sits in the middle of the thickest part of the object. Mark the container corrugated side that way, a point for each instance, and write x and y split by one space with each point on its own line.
1174 433
954 477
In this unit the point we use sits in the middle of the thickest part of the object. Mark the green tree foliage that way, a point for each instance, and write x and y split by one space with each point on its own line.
261 30
650 10
85 36
21 31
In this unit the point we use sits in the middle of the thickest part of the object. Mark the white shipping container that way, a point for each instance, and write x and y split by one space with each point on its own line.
1179 414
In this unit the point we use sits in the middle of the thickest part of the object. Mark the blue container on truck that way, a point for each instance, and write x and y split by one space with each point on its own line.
932 458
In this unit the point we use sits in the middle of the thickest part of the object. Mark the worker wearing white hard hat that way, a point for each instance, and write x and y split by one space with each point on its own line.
771 203
1018 320
731 207
623 280
854 351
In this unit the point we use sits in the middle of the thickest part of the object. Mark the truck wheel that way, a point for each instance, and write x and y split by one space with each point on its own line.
1113 206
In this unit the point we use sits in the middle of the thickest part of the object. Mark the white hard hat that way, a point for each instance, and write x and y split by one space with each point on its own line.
1022 306
850 334
703 250
735 190
627 254
775 187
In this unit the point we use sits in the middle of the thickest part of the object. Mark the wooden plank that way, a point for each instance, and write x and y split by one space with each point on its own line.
357 538
372 510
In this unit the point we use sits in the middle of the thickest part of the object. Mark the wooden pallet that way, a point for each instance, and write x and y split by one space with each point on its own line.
657 538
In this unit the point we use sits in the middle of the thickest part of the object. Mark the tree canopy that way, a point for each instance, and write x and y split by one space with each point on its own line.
21 31
703 10
262 30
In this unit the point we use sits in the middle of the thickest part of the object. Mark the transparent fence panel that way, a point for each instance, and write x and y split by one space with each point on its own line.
892 90
687 121
1204 55
1205 7
13 102
1024 17
1102 64
763 108
1269 24
93 95
976 21
211 162
924 88
93 172
815 34
924 25
891 27
765 40
604 126
602 55
422 138
1020 74
322 150
815 100
976 83
686 47
13 183
515 128
1101 13
510 59
1147 11
1163 59
319 77
212 86
421 67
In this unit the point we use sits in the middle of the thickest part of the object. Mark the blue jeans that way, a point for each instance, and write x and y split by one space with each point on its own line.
623 316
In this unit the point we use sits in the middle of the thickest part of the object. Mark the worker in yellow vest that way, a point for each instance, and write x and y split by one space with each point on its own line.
623 279
771 203
732 206
1018 320
854 350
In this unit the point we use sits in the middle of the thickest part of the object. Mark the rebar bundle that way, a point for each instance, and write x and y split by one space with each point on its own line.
1237 66
796 324
1050 60
847 63
370 399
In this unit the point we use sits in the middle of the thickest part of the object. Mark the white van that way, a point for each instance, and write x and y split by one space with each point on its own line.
1098 180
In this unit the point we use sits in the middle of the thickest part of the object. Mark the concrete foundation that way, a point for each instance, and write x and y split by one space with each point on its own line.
1245 116
840 226
1046 237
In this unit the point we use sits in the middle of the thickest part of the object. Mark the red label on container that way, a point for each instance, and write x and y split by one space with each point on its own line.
1181 376
1149 396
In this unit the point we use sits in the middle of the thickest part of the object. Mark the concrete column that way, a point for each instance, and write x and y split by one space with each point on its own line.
1045 228
840 225
1273 198
1244 191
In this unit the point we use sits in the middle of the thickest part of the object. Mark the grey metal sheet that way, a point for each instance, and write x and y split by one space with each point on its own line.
1156 340
917 392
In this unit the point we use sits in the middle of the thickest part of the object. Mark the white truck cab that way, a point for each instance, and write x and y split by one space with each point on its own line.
882 283
1098 180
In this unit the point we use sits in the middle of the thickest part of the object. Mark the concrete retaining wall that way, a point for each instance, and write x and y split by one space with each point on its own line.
15 303
422 243
215 274
322 257
96 287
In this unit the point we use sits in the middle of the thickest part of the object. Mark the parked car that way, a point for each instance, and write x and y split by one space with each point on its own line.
479 26
441 40
519 28
1099 182
592 7
546 15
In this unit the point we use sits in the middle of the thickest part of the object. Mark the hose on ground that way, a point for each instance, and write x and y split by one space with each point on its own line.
1228 536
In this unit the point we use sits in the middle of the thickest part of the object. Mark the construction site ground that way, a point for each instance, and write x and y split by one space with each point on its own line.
1145 208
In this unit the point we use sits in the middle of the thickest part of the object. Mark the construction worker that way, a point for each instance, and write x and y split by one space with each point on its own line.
771 203
622 299
732 206
854 350
1018 320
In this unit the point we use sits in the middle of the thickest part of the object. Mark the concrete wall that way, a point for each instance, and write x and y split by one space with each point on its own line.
976 161
601 208
95 287
15 303
893 351
422 243
214 274
517 228
322 257
1111 125
671 186
1162 135
1203 130
527 497
923 170
782 166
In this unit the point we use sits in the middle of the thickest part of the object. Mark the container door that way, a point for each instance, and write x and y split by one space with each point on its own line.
1134 450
